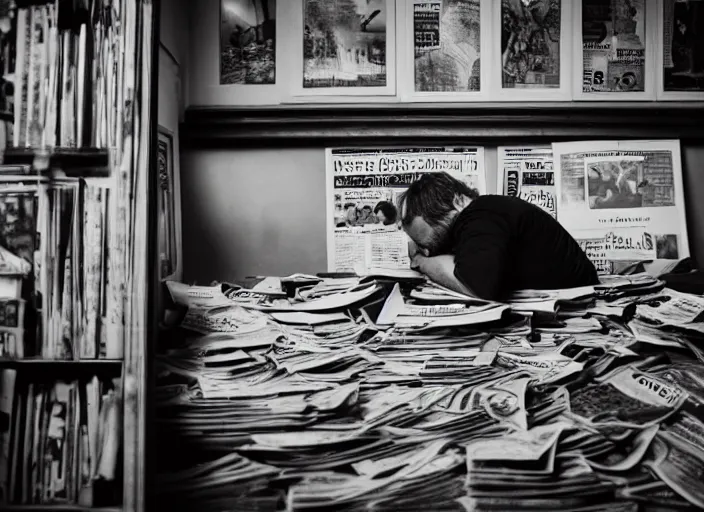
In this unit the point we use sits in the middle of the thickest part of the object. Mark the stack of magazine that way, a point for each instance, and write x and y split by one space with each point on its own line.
392 393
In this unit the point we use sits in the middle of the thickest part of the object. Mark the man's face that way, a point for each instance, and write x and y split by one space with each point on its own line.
431 240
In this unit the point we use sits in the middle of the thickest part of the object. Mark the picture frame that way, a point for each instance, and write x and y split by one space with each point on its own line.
409 75
662 34
205 87
628 78
169 234
563 92
362 57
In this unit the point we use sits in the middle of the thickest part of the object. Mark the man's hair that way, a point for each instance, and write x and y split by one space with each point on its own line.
432 197
350 205
367 207
388 209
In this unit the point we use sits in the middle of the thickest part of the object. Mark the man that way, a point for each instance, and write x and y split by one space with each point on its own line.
366 216
488 246
385 213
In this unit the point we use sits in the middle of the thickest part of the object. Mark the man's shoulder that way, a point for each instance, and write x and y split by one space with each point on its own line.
493 202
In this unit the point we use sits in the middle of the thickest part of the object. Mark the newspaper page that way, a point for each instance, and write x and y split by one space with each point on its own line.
446 45
530 44
363 188
528 173
622 201
613 46
683 45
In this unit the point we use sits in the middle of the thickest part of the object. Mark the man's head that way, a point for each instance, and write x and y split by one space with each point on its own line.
386 213
428 208
349 206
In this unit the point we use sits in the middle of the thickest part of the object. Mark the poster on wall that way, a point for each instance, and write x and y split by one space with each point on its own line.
532 49
169 244
527 172
622 201
444 48
348 47
363 188
613 55
681 57
247 42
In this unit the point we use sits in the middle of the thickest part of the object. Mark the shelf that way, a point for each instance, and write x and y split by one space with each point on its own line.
59 362
57 508
55 369
322 125
73 162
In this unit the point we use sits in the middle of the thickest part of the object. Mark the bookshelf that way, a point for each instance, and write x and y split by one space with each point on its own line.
76 150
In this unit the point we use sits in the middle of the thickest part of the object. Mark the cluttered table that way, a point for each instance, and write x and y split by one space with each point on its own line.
388 392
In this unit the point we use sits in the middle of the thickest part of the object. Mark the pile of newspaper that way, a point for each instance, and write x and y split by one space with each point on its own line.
392 393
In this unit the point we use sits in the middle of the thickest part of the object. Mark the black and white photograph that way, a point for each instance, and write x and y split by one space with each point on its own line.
683 50
530 43
447 45
167 208
247 42
615 183
351 256
345 43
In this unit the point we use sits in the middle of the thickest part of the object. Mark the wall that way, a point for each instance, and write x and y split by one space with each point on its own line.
174 35
173 62
262 212
173 65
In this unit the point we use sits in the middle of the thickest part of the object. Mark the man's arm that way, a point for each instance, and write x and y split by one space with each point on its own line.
441 270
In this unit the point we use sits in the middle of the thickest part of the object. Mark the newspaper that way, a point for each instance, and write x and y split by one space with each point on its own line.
528 173
360 181
527 445
622 201
673 308
613 46
627 397
681 466
547 368
683 68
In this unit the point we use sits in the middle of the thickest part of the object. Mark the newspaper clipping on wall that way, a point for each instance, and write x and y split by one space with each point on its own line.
622 201
446 44
613 45
683 48
363 188
527 172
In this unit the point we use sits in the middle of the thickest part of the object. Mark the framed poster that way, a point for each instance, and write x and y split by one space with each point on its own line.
680 58
443 43
169 207
614 50
342 48
246 68
533 50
